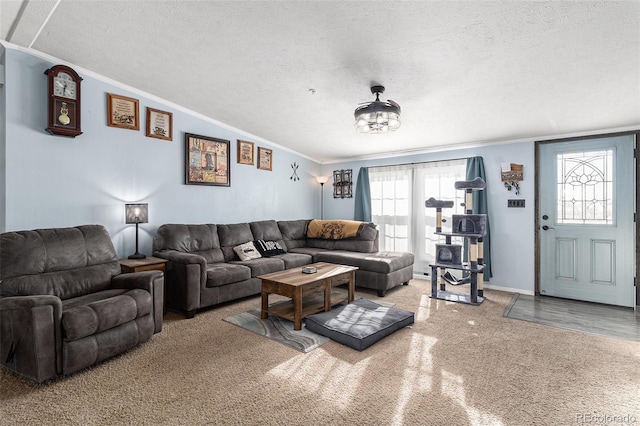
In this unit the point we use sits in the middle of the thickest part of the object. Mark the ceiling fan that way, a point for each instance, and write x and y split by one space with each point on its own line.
377 116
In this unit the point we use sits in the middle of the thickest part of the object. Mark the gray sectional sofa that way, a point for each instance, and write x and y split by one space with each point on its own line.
205 270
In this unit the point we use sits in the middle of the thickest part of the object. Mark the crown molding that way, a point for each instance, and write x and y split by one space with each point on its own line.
242 134
482 144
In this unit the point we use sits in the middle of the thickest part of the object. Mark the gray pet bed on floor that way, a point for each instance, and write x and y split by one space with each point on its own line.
359 324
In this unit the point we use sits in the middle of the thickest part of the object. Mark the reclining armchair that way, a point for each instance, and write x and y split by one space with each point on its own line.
64 305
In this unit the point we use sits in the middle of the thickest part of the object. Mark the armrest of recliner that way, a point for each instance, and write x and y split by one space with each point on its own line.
187 274
30 335
153 282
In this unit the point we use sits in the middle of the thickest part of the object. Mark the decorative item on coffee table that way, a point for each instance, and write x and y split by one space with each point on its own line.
448 256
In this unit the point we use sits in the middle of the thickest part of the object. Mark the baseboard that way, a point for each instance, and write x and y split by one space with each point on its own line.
510 289
487 286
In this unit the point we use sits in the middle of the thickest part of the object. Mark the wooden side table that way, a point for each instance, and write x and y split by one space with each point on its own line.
149 263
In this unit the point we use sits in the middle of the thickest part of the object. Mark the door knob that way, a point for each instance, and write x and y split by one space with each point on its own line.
546 228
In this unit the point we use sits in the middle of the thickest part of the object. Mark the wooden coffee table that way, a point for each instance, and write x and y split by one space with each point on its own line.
303 290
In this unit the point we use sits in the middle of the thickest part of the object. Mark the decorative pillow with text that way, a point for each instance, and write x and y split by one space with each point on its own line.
247 251
268 248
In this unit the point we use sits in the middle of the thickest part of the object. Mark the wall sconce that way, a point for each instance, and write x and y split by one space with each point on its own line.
322 180
511 174
136 213
342 184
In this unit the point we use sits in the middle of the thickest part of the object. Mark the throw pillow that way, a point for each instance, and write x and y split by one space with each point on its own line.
268 248
247 251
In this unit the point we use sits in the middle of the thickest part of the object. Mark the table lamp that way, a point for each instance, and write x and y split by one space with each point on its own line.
136 213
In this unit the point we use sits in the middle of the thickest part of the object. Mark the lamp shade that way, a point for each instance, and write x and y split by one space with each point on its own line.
136 213
322 179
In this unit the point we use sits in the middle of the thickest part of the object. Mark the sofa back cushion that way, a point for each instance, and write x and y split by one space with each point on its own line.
267 230
63 262
231 236
366 242
198 239
294 232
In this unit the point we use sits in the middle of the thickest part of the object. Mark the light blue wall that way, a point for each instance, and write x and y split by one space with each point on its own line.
51 181
512 229
54 181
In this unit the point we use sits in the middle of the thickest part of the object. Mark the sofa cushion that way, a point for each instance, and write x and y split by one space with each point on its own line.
321 243
359 324
264 265
309 251
383 262
294 232
268 248
63 284
198 239
232 235
73 302
226 273
294 260
365 242
85 320
266 230
63 262
247 251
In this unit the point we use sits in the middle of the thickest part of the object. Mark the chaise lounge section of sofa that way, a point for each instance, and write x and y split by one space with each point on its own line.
204 268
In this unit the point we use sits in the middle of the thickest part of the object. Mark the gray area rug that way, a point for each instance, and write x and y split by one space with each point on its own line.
281 330
585 317
278 329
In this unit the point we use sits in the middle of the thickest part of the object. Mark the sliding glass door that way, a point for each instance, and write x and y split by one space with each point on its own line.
398 194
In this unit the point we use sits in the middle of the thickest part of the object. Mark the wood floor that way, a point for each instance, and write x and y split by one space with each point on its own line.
593 318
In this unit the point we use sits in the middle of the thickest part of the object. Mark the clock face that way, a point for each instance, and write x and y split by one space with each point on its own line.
64 86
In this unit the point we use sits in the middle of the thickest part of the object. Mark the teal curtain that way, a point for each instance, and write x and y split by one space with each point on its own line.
475 168
363 196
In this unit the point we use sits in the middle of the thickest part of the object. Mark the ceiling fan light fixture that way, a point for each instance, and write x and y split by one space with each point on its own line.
377 116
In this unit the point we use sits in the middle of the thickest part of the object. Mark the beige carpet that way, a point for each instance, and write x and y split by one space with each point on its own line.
458 365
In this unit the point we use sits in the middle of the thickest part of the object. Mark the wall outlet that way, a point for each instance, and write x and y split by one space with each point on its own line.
515 203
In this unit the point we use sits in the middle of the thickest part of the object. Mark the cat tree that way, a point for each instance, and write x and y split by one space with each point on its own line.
471 227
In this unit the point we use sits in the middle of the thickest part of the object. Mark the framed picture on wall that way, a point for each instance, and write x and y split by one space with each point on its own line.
245 152
265 158
206 160
122 112
159 124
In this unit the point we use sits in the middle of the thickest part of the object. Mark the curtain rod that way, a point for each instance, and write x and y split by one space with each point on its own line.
420 162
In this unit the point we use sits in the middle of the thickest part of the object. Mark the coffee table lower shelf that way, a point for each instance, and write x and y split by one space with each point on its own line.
311 304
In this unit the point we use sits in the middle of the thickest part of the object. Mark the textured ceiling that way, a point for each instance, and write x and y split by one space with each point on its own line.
463 72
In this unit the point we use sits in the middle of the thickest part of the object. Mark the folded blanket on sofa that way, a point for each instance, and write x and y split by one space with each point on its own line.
334 229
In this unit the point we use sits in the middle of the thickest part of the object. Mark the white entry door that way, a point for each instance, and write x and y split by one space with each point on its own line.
586 213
